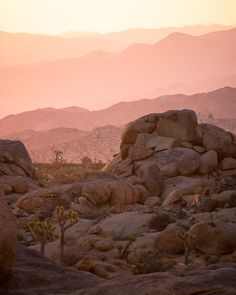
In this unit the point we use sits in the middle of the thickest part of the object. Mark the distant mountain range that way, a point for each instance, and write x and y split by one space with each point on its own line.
21 48
99 144
78 132
176 62
220 103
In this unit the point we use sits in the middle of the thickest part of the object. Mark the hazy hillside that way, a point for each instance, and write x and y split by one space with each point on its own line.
99 144
37 48
100 77
220 103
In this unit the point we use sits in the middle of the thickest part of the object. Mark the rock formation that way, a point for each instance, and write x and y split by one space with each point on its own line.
172 185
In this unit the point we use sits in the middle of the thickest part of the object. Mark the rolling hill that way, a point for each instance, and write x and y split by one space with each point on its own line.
99 78
221 103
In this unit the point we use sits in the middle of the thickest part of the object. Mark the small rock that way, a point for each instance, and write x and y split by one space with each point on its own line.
95 230
103 245
199 149
228 163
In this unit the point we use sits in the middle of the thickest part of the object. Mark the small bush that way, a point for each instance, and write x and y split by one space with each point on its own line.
64 172
152 261
160 221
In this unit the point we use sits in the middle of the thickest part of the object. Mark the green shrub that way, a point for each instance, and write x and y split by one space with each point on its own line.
160 221
152 261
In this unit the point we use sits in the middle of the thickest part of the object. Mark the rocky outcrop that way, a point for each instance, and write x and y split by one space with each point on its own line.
168 193
192 280
216 138
50 278
32 271
15 160
173 144
214 238
97 190
7 239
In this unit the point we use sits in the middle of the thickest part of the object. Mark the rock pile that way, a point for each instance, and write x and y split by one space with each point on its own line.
172 185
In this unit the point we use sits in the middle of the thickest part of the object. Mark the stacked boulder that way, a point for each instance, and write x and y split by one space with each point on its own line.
7 239
17 172
16 178
159 147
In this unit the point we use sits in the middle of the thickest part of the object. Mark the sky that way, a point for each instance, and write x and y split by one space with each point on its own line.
58 16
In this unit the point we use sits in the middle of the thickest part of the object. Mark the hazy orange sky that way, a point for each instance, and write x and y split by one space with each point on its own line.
58 16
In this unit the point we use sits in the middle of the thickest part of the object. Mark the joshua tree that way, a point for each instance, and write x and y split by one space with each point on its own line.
42 231
58 156
65 219
187 250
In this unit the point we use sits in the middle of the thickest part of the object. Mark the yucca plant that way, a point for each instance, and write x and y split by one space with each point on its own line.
184 236
65 219
42 231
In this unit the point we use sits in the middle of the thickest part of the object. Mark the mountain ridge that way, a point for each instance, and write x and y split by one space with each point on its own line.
220 102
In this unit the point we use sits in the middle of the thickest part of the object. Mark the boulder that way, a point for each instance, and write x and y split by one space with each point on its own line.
173 197
221 237
103 245
132 130
170 157
228 163
122 193
7 239
169 241
216 138
124 150
160 143
46 198
137 152
151 178
199 149
189 162
143 138
186 144
112 164
123 226
97 192
14 152
185 185
170 170
208 162
178 124
224 197
141 193
124 168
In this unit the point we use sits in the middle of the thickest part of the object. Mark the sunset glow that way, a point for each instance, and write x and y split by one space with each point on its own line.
58 16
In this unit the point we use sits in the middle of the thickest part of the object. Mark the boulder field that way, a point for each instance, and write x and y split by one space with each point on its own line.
168 197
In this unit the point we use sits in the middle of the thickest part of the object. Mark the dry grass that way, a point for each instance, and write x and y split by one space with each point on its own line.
63 172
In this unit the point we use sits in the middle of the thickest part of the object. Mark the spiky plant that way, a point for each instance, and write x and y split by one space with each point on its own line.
65 219
184 236
42 231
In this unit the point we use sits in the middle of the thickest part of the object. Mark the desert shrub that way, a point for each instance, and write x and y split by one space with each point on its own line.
120 235
72 255
152 261
64 172
160 221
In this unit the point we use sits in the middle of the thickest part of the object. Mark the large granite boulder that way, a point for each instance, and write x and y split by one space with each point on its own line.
213 238
14 159
189 162
7 239
208 162
132 130
169 241
228 163
151 178
216 138
181 125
